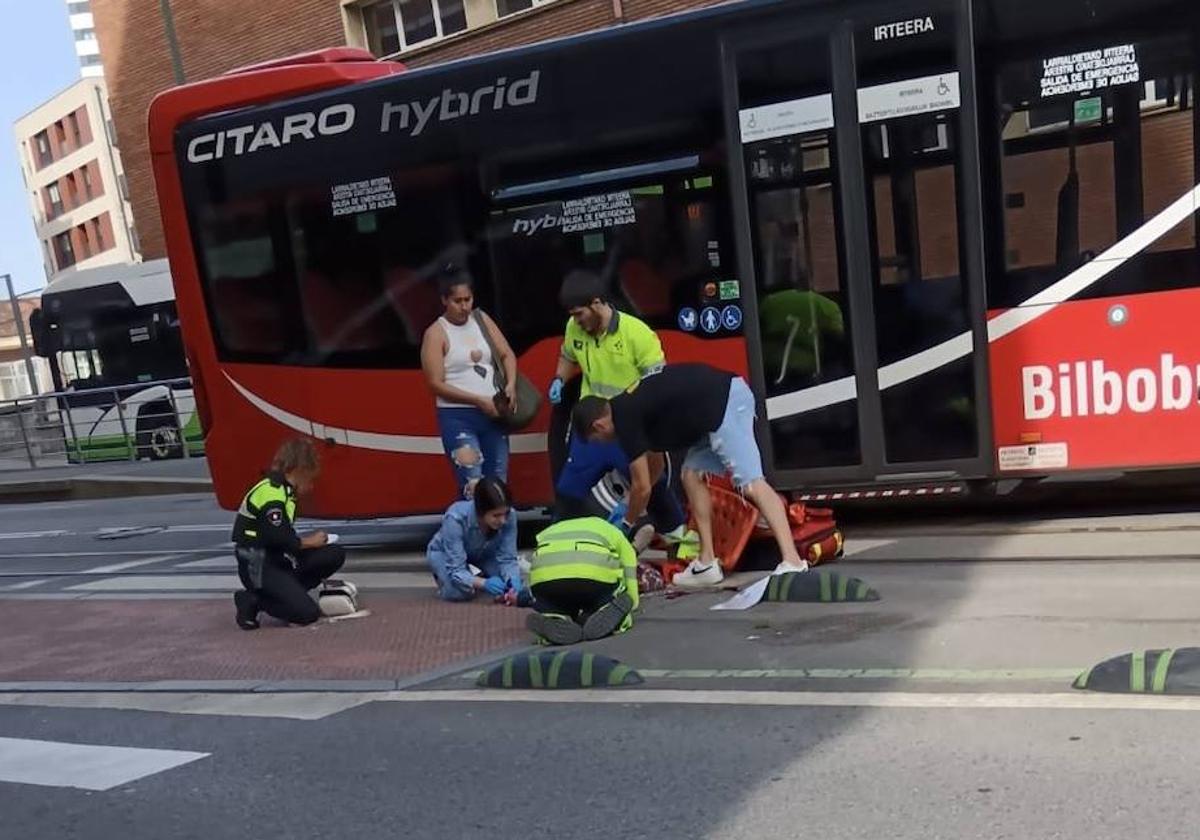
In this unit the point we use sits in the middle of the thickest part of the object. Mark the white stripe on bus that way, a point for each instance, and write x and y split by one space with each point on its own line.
408 444
919 364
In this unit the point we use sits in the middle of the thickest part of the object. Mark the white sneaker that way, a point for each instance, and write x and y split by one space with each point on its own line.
784 568
696 576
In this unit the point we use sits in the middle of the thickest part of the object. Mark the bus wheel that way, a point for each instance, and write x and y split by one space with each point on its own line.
158 438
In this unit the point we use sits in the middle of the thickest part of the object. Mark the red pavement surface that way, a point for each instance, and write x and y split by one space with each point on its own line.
127 641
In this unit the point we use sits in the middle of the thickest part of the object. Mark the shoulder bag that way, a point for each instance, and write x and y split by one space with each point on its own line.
529 398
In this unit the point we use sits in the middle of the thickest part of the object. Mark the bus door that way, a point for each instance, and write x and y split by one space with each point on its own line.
855 202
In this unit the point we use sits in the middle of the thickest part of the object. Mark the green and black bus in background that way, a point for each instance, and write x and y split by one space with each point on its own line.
111 337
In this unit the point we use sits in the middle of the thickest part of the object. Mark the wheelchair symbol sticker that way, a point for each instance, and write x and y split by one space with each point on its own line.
731 317
688 319
710 319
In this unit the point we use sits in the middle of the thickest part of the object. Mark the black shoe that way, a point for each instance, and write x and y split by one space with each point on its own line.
554 629
247 609
605 621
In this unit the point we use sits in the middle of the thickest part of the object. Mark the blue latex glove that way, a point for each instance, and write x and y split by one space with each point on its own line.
556 391
514 585
495 586
618 513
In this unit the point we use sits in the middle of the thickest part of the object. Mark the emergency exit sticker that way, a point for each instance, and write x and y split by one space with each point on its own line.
1035 456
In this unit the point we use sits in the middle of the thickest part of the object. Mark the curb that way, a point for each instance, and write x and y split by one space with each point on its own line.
95 487
414 681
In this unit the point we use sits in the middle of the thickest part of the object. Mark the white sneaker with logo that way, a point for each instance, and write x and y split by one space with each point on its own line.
784 568
696 576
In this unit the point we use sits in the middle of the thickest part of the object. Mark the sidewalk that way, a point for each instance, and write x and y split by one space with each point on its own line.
139 641
112 479
1170 536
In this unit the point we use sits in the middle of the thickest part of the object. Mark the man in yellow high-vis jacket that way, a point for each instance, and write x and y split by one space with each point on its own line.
583 578
609 351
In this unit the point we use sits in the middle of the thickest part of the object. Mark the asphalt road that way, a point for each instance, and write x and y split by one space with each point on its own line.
568 770
54 547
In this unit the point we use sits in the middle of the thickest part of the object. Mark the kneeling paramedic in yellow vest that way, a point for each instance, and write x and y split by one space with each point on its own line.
583 577
276 565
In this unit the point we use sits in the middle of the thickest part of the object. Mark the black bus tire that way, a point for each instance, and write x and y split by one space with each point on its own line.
158 435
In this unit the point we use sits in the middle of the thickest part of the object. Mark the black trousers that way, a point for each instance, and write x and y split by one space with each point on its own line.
284 591
572 597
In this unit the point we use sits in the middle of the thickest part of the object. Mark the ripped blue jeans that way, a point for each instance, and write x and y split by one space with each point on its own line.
475 445
731 448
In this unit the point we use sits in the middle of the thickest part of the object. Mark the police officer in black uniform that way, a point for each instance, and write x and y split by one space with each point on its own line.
276 565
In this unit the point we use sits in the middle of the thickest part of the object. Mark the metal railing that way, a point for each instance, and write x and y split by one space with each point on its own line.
151 420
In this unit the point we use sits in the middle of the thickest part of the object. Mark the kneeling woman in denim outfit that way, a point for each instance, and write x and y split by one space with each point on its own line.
481 531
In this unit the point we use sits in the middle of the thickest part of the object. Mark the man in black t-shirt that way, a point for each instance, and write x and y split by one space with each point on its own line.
710 413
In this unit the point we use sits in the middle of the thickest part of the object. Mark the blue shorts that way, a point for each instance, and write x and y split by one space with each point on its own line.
731 448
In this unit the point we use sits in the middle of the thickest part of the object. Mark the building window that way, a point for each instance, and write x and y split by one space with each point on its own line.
89 60
14 381
397 25
81 8
56 203
85 34
86 174
504 8
44 156
64 251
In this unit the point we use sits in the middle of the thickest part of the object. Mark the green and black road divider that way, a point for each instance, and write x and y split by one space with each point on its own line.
819 586
561 669
1169 671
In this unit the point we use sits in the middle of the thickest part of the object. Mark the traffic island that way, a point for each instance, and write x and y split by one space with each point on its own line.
1159 671
564 669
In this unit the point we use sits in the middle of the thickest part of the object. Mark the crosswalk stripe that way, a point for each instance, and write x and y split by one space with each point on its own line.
84 766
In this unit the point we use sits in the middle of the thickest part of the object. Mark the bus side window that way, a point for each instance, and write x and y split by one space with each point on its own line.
1084 170
247 289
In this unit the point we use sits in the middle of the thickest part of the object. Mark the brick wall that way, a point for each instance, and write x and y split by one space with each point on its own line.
215 36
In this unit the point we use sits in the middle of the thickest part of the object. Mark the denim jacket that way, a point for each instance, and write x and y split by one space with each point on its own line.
461 540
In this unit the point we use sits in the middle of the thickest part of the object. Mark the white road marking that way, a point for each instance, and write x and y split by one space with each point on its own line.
291 705
366 581
919 674
130 564
29 584
356 561
32 535
84 766
1081 701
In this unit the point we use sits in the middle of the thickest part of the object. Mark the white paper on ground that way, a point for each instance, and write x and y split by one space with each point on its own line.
753 593
348 616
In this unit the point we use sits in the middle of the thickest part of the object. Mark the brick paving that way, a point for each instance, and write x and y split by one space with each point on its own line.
131 641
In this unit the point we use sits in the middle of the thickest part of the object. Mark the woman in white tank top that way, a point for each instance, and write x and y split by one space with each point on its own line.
461 372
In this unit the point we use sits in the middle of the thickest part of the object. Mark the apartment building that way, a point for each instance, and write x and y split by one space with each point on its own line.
75 182
83 29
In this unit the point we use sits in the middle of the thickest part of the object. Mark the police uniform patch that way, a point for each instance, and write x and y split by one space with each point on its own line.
275 517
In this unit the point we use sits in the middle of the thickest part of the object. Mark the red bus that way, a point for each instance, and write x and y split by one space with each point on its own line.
947 241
